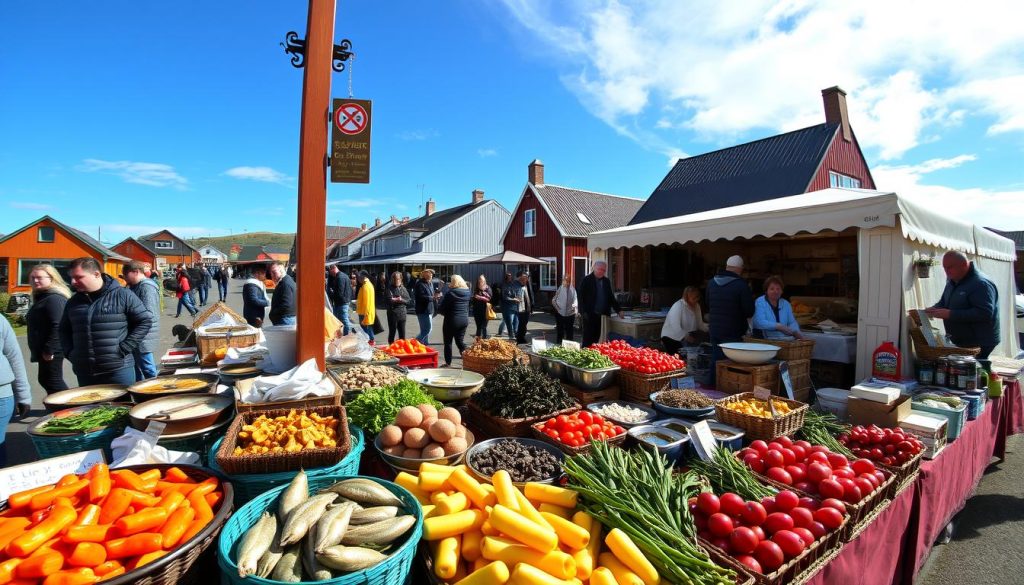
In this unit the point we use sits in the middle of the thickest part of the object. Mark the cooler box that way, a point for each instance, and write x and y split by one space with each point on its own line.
833 400
956 418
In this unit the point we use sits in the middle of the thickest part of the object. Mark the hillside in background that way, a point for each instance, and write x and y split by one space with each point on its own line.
223 243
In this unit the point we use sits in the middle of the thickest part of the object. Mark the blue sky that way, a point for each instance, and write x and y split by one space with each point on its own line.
134 116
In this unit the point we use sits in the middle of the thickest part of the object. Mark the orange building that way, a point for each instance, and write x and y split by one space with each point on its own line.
48 240
134 249
169 249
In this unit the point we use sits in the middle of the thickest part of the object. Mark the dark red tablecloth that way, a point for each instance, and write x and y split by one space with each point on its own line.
1015 404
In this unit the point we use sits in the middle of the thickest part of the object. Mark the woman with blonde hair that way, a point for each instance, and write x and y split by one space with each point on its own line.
455 308
481 302
49 295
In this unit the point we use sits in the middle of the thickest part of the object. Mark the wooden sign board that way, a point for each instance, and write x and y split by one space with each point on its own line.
29 475
350 141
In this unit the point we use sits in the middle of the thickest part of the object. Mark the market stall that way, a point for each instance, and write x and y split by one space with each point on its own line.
827 237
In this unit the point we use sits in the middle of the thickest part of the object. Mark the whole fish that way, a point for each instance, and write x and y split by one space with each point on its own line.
371 515
332 526
365 491
350 558
269 559
296 493
303 517
255 543
289 567
314 570
382 532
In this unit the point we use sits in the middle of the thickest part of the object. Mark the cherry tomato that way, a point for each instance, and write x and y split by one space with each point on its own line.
754 514
720 525
769 555
743 540
708 503
790 543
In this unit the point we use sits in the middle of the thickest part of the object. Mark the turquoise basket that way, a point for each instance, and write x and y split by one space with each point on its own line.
57 445
250 485
392 571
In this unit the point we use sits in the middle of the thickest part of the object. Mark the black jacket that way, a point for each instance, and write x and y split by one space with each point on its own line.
587 296
100 330
254 302
195 277
282 302
423 294
973 305
397 310
43 322
339 289
455 305
480 307
207 278
221 275
730 304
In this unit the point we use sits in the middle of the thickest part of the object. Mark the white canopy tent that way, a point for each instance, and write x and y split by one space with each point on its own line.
892 230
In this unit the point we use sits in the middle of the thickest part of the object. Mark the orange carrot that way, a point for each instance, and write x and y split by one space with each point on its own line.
106 567
113 573
127 479
88 516
72 502
194 528
214 498
144 500
171 501
94 533
21 499
206 486
176 526
38 516
99 482
39 566
59 518
150 475
203 510
12 528
165 486
7 569
175 475
87 554
144 559
45 499
68 479
134 545
71 578
49 546
115 505
146 520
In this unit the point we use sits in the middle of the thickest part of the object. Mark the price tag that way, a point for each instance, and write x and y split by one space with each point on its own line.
703 440
684 383
154 430
29 475
539 344
570 344
762 393
787 382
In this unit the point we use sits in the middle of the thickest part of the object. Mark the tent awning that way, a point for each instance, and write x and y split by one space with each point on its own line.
435 258
828 209
508 257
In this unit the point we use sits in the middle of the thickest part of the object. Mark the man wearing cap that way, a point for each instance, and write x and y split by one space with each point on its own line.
730 305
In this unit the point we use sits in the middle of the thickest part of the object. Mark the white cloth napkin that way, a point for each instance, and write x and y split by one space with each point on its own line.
134 447
299 382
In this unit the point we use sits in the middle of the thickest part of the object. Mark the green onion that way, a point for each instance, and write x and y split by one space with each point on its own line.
96 418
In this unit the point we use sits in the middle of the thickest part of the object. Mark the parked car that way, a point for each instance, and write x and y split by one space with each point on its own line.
1018 305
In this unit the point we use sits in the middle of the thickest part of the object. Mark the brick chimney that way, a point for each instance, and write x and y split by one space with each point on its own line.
536 174
835 110
478 196
405 219
376 222
362 228
430 207
394 219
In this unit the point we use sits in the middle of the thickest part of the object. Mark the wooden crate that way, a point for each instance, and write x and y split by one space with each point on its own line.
585 398
826 374
794 349
800 377
733 378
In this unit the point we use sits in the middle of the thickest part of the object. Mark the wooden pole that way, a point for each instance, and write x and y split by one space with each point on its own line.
311 235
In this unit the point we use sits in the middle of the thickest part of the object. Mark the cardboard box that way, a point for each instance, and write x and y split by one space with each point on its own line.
866 412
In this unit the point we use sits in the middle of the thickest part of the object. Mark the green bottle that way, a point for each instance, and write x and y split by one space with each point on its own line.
994 383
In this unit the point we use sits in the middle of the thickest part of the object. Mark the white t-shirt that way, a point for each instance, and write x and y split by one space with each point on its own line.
681 320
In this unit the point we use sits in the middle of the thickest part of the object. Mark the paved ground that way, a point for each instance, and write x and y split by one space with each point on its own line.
987 548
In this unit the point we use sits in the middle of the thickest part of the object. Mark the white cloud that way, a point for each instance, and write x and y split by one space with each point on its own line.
418 135
32 206
139 173
262 174
487 152
998 208
721 69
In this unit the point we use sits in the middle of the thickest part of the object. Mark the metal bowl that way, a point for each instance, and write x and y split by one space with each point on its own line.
447 384
672 448
34 428
536 361
694 413
749 353
556 369
199 412
485 445
85 396
412 466
590 380
167 386
651 413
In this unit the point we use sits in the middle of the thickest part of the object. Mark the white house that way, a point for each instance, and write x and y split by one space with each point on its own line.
211 255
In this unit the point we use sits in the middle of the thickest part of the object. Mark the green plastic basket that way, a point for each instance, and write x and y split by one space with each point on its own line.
392 571
250 485
57 445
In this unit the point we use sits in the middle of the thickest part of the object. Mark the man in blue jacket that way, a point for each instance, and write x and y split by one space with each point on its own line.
969 305
730 305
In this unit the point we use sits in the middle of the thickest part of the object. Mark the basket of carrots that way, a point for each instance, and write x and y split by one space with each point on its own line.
143 525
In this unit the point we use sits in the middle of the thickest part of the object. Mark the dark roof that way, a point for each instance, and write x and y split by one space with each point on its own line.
342 233
180 248
1017 237
86 239
252 253
777 166
439 219
603 211
275 249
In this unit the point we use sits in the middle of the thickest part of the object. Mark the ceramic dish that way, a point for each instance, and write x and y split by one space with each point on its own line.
749 353
694 413
650 412
172 385
447 384
183 414
84 396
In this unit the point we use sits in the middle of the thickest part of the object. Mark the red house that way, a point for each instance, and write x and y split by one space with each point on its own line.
134 249
552 223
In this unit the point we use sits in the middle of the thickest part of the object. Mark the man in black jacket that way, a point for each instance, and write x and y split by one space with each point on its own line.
730 306
596 299
339 291
282 303
969 305
426 295
524 293
222 277
254 296
102 326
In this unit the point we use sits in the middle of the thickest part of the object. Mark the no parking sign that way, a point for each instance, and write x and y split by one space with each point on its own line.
350 141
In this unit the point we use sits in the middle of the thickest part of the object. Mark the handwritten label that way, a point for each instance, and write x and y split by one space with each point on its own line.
154 430
684 383
539 344
29 475
762 393
703 440
787 382
570 344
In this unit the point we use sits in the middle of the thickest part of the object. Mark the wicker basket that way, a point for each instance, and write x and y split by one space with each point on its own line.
904 474
207 344
53 445
216 312
487 365
278 462
796 349
639 387
927 352
392 571
757 427
335 399
250 485
535 430
492 426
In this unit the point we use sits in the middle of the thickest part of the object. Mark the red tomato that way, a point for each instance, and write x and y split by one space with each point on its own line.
809 503
797 473
843 472
806 486
773 458
732 504
865 486
790 543
552 433
566 437
838 461
561 420
754 514
818 472
780 475
784 441
753 461
799 452
818 530
759 532
759 446
805 535
708 503
618 430
802 517
586 417
769 503
786 500
831 488
777 521
746 451
829 517
788 456
720 542
720 525
817 457
769 555
879 476
750 562
550 423
743 540
834 503
852 494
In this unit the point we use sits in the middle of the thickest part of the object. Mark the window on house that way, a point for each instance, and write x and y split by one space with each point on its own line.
163 244
45 234
549 274
529 223
842 181
582 218
25 269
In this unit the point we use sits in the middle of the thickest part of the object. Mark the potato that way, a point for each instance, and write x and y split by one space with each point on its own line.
416 438
408 417
391 435
428 410
412 454
433 451
425 425
452 414
396 450
455 446
442 430
460 431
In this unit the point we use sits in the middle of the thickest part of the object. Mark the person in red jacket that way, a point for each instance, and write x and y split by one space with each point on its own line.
184 298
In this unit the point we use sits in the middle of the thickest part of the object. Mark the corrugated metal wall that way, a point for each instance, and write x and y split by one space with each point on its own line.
477 232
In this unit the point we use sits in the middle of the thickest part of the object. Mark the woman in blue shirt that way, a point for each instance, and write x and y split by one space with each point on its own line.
773 315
